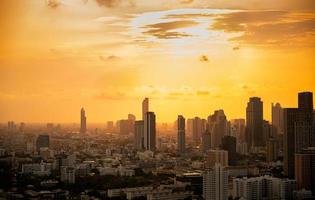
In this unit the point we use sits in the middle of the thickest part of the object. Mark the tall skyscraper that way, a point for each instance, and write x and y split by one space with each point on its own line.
197 130
229 144
145 107
215 183
149 131
139 134
83 121
254 122
217 125
277 118
217 156
298 130
190 127
238 129
181 134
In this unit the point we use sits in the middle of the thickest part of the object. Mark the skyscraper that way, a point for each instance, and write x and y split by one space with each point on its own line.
217 125
197 130
217 156
238 129
298 130
139 134
181 134
149 131
145 107
83 121
254 122
215 183
277 118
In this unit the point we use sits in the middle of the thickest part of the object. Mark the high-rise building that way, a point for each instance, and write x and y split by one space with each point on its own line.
254 123
139 134
206 141
229 144
190 127
145 107
123 126
197 130
238 129
217 125
217 156
42 141
277 118
83 121
149 131
181 134
298 130
215 183
67 175
131 123
110 126
305 169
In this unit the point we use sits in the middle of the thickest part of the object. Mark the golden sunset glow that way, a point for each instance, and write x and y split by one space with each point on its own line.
189 57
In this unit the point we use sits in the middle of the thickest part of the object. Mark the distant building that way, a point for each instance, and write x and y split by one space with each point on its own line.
110 126
139 135
42 141
189 125
254 123
123 126
305 169
272 150
229 144
197 129
238 129
217 156
145 107
83 121
215 183
67 175
217 124
297 128
277 118
181 134
150 131
206 141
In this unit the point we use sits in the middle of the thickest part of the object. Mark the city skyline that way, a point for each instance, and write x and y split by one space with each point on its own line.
189 57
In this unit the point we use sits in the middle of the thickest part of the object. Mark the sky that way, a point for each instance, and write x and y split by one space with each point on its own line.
189 57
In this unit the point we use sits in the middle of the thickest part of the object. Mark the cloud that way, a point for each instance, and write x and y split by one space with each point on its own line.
53 3
108 58
269 28
166 30
186 1
108 3
204 58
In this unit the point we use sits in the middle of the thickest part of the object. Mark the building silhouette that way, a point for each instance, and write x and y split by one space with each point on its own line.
229 144
254 123
149 131
42 141
83 121
181 141
218 126
139 134
145 107
206 141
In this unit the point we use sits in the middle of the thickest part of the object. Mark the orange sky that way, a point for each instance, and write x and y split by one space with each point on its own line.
189 57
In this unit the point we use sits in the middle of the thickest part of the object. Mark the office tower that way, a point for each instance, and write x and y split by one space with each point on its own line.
215 183
131 123
290 117
83 121
11 126
272 150
190 127
149 131
277 119
305 169
181 134
197 130
42 141
238 129
145 107
217 125
254 123
139 134
305 104
123 126
217 156
267 132
110 126
22 127
206 141
298 130
229 144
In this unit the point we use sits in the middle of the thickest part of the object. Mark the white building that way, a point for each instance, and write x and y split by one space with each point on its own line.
215 183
